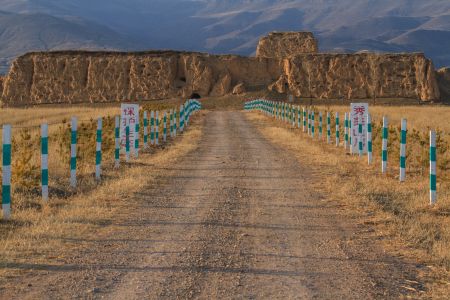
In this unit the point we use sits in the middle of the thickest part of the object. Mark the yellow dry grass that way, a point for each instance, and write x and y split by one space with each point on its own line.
35 231
401 209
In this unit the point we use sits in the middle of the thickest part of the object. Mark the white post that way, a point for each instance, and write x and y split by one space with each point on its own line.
6 172
433 178
44 161
73 154
98 150
369 139
384 151
403 151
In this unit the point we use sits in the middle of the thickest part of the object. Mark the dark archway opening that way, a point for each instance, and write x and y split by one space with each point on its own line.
195 96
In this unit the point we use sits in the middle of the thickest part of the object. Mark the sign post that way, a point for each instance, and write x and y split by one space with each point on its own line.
358 114
130 117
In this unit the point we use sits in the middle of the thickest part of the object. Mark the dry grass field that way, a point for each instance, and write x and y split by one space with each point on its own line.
37 228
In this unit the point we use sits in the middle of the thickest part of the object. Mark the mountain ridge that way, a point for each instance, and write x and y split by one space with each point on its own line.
234 27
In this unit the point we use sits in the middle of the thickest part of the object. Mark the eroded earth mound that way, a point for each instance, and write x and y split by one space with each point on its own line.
286 62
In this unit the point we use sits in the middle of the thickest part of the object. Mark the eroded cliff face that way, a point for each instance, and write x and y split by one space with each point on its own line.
286 44
443 79
77 77
360 76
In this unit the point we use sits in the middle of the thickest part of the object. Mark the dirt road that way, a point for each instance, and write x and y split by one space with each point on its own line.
238 218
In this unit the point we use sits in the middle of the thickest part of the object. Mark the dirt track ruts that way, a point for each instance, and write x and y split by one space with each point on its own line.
238 218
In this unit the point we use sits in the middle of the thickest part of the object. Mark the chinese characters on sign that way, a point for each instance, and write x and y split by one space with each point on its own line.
358 114
129 116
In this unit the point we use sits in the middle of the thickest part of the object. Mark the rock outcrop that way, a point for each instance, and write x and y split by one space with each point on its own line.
1 85
286 44
362 76
77 76
443 79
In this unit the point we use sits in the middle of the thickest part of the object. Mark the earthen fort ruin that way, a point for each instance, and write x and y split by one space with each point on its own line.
285 62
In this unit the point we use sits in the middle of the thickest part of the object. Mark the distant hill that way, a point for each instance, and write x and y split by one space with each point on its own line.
228 26
20 33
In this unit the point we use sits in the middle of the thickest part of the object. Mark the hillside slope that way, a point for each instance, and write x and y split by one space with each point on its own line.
234 26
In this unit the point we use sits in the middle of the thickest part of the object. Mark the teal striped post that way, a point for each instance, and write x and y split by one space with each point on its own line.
44 161
384 151
73 153
309 122
98 150
304 119
346 131
403 151
299 117
433 194
320 125
360 136
152 127
337 129
136 138
175 122
350 138
328 128
312 124
145 130
117 142
157 129
282 111
171 123
127 142
6 172
369 139
181 118
165 127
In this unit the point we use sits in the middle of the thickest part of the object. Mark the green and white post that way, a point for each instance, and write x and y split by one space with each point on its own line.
384 150
304 119
337 129
157 129
433 195
403 151
360 136
127 143
346 131
320 125
152 127
369 139
328 128
312 124
136 139
117 142
299 117
6 172
165 127
181 118
171 122
309 122
175 122
145 130
350 134
44 161
98 150
73 153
